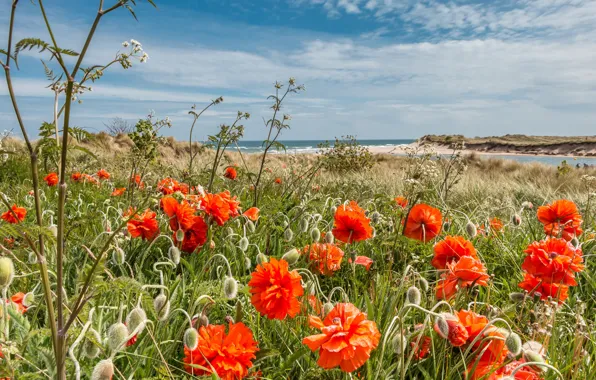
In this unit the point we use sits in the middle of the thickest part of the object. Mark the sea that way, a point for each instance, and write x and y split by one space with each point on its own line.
312 146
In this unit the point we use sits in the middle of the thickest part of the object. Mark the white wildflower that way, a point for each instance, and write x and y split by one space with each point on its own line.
135 43
125 44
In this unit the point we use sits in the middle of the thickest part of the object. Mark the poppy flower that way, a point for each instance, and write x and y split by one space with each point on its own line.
169 186
351 224
423 223
181 214
537 286
230 355
346 339
457 334
144 225
230 173
17 300
76 177
118 191
474 324
195 236
51 179
252 214
524 373
275 289
452 248
464 273
136 179
324 258
561 218
217 207
421 348
233 204
553 260
15 215
315 304
278 181
90 179
401 202
365 261
103 174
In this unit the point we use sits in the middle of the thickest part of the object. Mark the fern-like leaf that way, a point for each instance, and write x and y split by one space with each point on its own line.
29 44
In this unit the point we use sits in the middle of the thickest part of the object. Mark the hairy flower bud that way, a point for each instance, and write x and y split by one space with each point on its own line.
203 320
315 234
333 209
516 220
91 347
135 319
229 231
118 256
446 226
161 304
575 242
239 312
304 225
6 272
329 238
327 307
230 287
288 234
174 254
191 338
471 229
247 263
262 258
399 343
29 299
517 297
32 258
375 216
291 256
117 334
53 230
104 370
243 244
535 357
179 235
423 283
250 226
513 343
442 327
413 295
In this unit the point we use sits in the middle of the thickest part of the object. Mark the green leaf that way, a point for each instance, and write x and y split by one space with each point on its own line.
29 44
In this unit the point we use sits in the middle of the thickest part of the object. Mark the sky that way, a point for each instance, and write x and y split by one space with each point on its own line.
377 69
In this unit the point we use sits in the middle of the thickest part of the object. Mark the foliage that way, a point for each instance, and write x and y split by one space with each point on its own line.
346 155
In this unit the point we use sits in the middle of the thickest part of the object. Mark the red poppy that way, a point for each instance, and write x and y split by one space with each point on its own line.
554 261
278 181
90 179
228 354
561 218
76 177
365 261
324 258
103 174
423 223
195 236
315 304
474 324
452 248
17 300
252 214
51 179
136 179
464 273
524 373
15 215
144 225
351 224
420 345
457 334
275 289
233 204
537 286
401 202
346 339
169 186
230 173
118 191
181 214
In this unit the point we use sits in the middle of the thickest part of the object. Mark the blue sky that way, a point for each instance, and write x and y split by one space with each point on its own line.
372 68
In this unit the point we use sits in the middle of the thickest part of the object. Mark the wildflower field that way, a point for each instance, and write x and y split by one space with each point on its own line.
137 257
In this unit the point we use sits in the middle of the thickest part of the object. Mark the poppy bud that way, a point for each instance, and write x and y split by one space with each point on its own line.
238 223
32 258
212 244
329 238
532 356
423 283
179 235
471 229
441 327
174 254
118 256
203 320
513 343
399 343
161 304
413 295
375 216
239 312
291 256
327 307
333 209
575 242
288 235
117 334
516 220
28 299
262 258
229 231
315 234
230 287
517 297
53 230
6 272
243 244
104 370
446 226
136 318
90 347
527 205
250 226
191 338
247 263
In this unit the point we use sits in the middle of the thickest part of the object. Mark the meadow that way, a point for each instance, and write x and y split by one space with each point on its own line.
134 256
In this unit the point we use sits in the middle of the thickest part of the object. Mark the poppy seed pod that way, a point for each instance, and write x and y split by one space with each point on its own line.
413 295
442 327
327 307
516 220
135 319
191 338
90 347
288 235
161 304
399 343
117 334
291 256
174 254
118 256
315 234
513 343
104 370
250 226
243 244
180 235
262 258
230 287
329 238
6 272
28 299
471 229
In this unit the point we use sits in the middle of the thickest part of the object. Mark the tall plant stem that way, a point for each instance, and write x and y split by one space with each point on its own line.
192 127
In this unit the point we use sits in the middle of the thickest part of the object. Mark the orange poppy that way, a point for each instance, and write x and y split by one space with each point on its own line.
351 224
51 179
423 223
252 213
103 174
136 179
474 324
181 214
457 334
118 191
76 177
275 289
553 260
217 207
169 186
346 339
90 179
144 225
324 258
464 273
365 261
230 355
278 181
233 204
524 373
561 218
15 215
195 236
401 202
452 248
421 348
536 286
17 299
315 304
230 173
